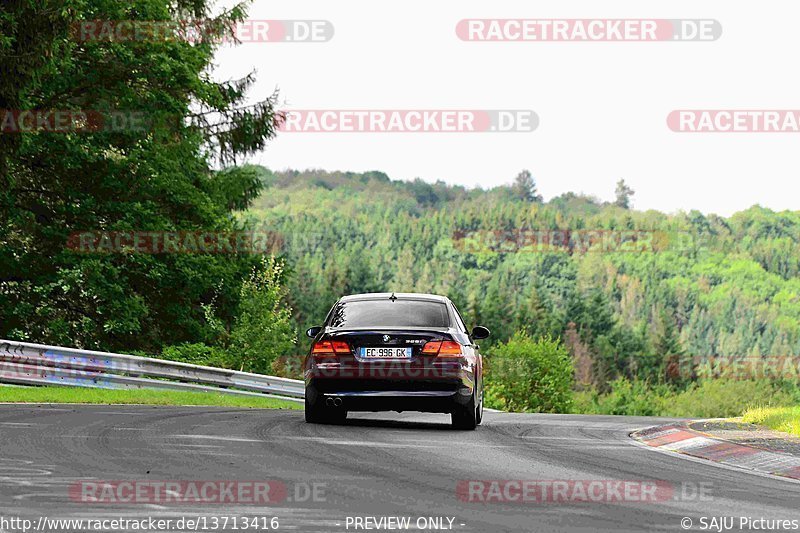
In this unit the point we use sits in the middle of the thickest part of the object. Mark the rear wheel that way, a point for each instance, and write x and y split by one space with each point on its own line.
465 416
313 412
479 410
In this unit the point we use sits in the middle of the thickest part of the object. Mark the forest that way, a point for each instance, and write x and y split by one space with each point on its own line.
676 298
715 287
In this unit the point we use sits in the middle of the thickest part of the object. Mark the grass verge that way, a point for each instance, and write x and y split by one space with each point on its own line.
786 419
138 396
712 398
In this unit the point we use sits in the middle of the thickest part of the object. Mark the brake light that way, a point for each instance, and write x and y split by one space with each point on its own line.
450 348
431 348
441 348
340 347
330 348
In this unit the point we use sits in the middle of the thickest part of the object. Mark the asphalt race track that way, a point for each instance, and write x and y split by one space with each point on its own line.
375 465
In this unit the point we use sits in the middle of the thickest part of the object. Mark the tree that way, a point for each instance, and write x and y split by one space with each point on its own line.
623 195
524 187
582 359
263 330
668 349
156 176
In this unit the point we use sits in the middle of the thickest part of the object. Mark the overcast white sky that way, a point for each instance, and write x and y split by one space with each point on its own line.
602 106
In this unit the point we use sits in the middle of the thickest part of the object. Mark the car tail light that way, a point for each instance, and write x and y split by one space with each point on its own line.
431 348
330 348
450 348
442 349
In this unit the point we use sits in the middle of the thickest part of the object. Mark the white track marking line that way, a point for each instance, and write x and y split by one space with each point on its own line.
26 408
536 437
215 437
327 440
399 443
121 413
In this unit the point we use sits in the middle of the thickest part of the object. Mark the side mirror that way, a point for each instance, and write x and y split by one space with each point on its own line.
480 332
312 332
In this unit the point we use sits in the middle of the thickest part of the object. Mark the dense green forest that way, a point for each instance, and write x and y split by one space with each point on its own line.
729 288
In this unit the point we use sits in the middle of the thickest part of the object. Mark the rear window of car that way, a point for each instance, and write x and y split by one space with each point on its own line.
388 313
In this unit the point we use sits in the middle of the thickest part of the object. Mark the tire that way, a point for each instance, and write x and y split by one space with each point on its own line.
479 411
314 414
318 413
465 416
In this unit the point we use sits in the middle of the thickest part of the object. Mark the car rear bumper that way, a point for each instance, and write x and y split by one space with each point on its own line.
358 396
391 375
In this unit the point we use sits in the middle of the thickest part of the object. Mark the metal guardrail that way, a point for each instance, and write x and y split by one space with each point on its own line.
38 364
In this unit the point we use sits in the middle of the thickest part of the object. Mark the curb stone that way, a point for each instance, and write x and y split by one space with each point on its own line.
680 438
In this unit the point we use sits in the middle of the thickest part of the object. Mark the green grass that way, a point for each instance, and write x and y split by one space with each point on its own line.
139 396
786 419
712 398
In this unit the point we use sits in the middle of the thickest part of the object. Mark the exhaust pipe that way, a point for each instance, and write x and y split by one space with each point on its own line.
333 402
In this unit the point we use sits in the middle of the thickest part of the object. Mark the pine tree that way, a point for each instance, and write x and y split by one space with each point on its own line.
669 350
524 187
623 195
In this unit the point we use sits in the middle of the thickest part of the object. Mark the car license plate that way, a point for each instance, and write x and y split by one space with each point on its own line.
385 353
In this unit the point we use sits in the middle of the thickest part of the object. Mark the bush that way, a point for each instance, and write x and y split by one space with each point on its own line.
711 398
197 354
632 398
529 375
262 331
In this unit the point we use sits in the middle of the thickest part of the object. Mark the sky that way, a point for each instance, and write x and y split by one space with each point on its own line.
602 107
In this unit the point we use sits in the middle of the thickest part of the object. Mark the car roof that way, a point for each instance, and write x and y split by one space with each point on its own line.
399 295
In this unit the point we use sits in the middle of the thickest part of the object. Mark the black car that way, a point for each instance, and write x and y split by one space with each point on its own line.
394 352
